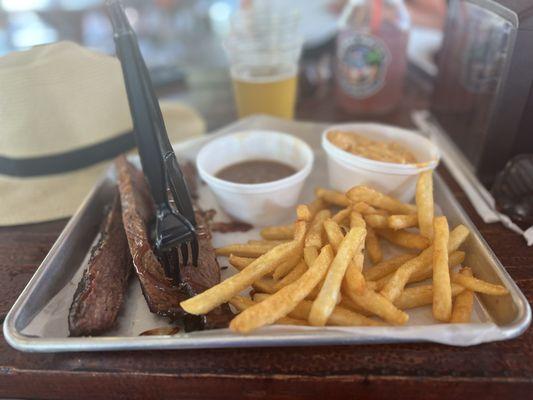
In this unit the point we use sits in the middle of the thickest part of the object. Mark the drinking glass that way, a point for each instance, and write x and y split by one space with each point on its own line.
263 48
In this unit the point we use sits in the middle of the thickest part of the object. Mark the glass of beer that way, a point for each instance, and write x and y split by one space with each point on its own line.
263 48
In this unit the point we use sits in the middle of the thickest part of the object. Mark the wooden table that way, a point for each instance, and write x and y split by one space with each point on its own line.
400 371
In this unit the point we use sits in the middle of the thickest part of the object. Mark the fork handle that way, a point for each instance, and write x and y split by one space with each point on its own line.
140 105
179 188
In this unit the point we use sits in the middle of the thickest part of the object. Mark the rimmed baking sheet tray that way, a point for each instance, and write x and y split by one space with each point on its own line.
38 319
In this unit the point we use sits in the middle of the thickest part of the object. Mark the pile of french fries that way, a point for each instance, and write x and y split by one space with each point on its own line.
311 272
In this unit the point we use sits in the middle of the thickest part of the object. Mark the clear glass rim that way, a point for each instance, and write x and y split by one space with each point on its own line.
277 44
266 13
263 19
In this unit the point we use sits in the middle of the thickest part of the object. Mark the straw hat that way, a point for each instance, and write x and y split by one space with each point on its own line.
63 116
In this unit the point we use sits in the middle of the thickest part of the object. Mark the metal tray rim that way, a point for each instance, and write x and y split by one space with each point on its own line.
523 319
27 344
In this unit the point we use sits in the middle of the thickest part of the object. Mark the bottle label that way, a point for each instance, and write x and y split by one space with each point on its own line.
362 62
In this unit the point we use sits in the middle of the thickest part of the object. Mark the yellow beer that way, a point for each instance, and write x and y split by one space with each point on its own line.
265 90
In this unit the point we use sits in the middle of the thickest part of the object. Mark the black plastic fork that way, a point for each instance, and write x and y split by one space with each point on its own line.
174 226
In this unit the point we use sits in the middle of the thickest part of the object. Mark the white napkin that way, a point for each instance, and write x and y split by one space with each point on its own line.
480 197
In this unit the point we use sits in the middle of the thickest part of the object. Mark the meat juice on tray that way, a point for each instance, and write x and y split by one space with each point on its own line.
371 56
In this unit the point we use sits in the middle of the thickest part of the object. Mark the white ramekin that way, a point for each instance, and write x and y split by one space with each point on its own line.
399 180
258 204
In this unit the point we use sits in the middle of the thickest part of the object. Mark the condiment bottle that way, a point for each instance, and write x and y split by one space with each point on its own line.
371 55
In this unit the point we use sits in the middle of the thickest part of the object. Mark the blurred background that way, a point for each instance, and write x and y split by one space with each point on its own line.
483 95
166 28
172 32
181 40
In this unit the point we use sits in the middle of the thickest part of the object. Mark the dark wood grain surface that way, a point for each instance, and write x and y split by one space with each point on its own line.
402 371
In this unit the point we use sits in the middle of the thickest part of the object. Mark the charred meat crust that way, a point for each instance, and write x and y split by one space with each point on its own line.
101 291
232 226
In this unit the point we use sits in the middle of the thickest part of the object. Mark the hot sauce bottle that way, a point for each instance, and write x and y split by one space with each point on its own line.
371 56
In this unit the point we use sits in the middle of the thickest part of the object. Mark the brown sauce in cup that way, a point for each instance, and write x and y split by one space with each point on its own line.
255 171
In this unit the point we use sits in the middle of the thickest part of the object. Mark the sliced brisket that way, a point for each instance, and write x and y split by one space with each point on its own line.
100 293
162 294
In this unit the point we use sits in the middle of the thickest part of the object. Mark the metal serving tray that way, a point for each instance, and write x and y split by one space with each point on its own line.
37 320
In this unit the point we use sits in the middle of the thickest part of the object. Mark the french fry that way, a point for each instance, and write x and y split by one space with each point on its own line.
293 275
442 291
477 285
329 293
259 297
285 267
283 232
377 221
240 262
341 215
381 282
353 280
405 239
455 258
300 231
353 276
395 285
283 301
397 222
386 267
290 321
265 285
242 303
303 213
316 228
365 209
245 250
401 276
380 200
307 212
341 316
310 255
373 248
463 303
218 294
316 290
316 205
346 302
378 305
424 203
268 242
333 233
419 296
356 220
332 197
